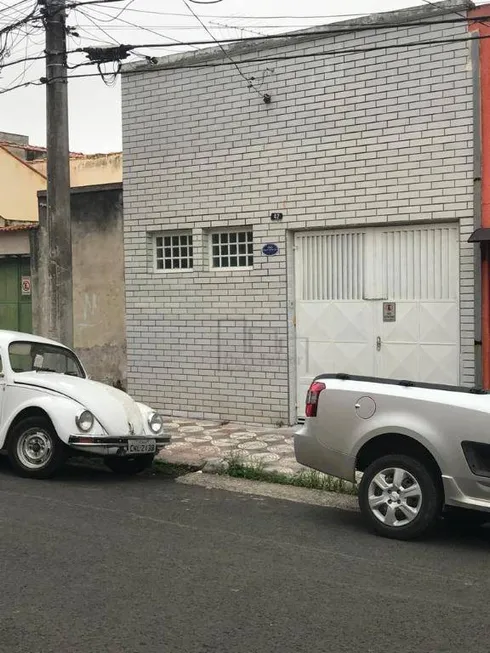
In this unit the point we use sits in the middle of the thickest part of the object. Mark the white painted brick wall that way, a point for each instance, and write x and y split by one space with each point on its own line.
365 138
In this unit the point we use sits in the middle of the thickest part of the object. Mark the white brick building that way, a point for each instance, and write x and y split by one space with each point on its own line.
369 156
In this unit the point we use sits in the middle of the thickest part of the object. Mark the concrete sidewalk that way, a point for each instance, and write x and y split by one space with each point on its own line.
196 442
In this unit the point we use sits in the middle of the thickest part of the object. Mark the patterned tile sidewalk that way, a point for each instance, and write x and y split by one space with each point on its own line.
195 442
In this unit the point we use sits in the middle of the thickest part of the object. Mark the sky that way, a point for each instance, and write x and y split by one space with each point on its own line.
94 107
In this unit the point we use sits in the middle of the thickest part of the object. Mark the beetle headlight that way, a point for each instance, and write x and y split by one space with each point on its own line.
85 421
155 422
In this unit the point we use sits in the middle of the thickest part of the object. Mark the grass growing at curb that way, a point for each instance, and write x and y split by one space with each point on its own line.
309 478
172 469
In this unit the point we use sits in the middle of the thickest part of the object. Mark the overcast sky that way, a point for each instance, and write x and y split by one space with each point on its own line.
95 109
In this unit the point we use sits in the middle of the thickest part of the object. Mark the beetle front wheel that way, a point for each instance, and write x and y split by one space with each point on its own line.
34 449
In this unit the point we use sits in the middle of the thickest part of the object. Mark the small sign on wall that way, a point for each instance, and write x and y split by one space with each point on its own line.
26 286
270 249
389 312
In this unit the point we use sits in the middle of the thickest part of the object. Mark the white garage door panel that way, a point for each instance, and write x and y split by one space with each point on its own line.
421 262
399 361
422 344
342 280
329 266
439 322
339 335
439 364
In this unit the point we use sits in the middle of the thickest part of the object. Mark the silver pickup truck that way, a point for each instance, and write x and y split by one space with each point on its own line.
423 449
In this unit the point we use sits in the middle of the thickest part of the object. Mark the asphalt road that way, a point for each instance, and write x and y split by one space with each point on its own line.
95 565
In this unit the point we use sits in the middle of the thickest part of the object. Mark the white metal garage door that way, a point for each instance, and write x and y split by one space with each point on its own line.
378 302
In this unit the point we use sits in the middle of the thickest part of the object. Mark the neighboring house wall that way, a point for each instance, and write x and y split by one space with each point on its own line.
349 140
14 241
18 188
91 169
98 279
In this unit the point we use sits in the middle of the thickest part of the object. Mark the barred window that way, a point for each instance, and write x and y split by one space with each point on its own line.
232 249
174 251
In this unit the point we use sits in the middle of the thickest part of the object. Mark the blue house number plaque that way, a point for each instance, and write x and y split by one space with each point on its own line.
270 249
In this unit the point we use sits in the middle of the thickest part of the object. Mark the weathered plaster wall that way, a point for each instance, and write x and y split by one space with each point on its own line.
98 280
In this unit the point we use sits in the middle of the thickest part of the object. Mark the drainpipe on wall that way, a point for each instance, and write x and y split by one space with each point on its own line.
481 82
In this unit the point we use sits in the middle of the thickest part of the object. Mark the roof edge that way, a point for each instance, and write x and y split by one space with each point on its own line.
24 163
95 188
420 12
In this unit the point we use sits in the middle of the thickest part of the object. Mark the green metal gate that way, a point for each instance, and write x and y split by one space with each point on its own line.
15 294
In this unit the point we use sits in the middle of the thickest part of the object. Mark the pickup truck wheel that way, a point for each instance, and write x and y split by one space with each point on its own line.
34 449
129 466
400 497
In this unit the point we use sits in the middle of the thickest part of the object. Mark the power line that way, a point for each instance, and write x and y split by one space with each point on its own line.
303 35
130 2
267 17
334 31
25 59
249 80
19 23
73 5
480 21
196 27
215 64
15 7
22 74
278 58
86 15
23 85
150 31
322 53
313 17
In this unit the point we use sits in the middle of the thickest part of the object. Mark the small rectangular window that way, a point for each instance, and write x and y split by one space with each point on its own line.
232 249
174 251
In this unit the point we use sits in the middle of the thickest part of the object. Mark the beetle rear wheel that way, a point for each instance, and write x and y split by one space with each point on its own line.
34 449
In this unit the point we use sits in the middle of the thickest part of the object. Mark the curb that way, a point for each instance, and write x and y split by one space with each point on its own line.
322 498
326 483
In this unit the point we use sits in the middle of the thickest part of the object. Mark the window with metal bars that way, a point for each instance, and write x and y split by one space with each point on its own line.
174 251
232 249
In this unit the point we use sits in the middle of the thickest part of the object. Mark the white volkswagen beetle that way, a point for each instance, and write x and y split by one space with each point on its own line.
49 409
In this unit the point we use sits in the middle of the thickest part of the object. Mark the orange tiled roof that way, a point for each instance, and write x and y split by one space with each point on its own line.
20 227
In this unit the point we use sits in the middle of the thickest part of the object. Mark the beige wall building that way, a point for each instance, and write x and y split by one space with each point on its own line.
23 172
97 243
90 169
18 188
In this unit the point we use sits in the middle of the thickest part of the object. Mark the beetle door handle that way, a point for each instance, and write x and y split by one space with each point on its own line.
378 343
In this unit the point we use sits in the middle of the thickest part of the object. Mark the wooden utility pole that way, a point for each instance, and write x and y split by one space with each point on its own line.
56 231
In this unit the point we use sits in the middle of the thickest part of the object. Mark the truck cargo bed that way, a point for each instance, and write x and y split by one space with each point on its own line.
403 382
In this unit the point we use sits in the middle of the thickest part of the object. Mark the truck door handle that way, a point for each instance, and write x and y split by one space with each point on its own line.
378 343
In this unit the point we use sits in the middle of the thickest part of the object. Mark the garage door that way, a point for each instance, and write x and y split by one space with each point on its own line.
15 294
380 302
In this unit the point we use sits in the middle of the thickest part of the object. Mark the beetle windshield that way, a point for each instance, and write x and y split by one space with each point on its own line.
40 357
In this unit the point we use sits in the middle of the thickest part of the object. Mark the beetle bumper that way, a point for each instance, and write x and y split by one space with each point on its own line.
108 446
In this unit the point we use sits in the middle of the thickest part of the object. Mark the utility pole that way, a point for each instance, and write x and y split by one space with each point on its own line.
55 226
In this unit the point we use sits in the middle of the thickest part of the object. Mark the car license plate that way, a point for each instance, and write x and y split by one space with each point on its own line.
141 446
